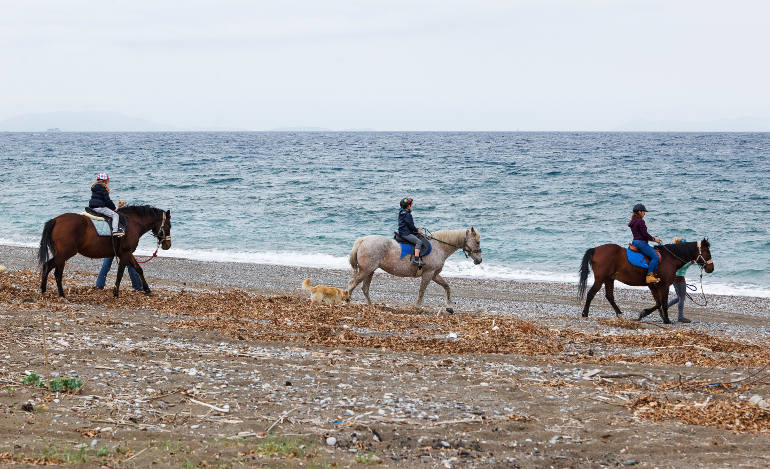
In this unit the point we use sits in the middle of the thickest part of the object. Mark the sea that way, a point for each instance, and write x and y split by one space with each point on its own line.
539 199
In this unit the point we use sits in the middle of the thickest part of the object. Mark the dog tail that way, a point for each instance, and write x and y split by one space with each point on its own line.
306 284
354 254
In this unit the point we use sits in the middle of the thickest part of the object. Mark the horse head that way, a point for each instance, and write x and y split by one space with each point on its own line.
472 246
704 256
162 230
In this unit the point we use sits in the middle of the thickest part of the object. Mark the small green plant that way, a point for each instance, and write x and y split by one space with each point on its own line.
32 379
56 384
368 458
65 384
279 447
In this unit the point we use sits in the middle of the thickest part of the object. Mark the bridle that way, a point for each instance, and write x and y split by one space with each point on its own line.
701 258
162 236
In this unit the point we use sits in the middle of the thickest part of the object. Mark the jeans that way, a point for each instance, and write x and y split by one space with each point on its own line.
419 243
136 282
110 214
648 251
681 293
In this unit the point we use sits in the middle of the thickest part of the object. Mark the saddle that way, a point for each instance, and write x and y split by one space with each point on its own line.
635 257
407 247
90 213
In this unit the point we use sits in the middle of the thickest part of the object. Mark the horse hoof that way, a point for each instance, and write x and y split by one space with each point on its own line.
115 292
450 310
619 315
585 315
148 293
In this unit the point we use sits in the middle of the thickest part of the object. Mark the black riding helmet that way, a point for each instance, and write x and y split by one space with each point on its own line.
405 202
639 208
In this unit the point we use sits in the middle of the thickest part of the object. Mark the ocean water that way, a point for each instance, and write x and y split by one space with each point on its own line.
539 199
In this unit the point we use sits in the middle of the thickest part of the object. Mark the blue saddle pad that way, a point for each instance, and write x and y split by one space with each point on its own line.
636 258
407 249
103 228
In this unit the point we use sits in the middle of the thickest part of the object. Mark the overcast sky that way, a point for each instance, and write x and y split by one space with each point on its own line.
389 65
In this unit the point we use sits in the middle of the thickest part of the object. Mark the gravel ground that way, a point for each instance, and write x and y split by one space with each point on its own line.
550 302
201 376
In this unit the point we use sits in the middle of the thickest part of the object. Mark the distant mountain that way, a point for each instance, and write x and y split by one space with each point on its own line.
742 124
84 121
300 129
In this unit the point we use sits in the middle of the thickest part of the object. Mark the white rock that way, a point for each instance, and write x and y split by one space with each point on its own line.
755 399
331 441
688 364
452 335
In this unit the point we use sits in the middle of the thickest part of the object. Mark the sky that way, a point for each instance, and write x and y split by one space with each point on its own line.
390 65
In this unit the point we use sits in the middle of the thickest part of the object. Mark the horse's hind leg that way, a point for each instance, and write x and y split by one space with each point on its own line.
590 296
609 292
45 271
440 280
365 287
59 273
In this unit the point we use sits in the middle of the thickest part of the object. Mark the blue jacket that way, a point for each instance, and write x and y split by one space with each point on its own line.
100 197
406 223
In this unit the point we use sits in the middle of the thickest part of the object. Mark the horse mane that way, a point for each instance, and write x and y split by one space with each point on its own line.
142 210
453 237
684 251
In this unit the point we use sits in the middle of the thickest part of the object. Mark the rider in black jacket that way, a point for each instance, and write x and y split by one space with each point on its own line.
408 231
101 203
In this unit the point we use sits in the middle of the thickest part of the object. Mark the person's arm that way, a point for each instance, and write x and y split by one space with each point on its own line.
410 223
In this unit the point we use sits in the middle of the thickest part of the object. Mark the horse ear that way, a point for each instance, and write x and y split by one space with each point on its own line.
168 213
473 230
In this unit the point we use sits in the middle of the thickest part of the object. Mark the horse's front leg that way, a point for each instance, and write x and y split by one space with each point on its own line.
664 306
138 268
121 268
426 278
440 280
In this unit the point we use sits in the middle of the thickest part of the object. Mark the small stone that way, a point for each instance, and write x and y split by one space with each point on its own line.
331 441
94 443
349 413
630 462
194 427
688 364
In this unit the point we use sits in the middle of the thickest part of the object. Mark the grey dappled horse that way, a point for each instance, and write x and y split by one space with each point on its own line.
371 252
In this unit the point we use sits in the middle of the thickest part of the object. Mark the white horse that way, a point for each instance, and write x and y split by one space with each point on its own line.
371 252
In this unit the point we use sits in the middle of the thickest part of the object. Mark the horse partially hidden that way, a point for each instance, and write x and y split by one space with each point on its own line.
71 233
372 252
610 263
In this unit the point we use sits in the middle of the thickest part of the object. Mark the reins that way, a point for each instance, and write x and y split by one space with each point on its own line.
464 247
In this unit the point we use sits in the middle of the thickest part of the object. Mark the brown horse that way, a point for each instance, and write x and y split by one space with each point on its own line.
609 263
70 234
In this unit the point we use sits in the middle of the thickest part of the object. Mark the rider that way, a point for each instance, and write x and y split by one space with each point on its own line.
641 237
408 231
101 203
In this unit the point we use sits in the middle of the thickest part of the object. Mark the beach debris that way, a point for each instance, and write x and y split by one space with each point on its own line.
757 400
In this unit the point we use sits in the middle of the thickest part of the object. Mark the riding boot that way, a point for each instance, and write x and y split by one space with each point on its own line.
651 278
417 261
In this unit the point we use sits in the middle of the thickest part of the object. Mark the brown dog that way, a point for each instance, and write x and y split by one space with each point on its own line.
324 294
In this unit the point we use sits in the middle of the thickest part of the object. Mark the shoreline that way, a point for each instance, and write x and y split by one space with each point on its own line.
551 302
340 264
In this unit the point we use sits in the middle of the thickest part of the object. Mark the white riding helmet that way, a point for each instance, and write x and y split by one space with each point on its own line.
102 177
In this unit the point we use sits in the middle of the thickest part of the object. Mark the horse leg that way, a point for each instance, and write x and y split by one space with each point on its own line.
648 311
47 267
59 273
645 313
138 268
426 278
609 292
590 296
664 307
121 268
440 280
365 287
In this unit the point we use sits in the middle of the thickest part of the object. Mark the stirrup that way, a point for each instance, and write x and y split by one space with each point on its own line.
118 234
417 261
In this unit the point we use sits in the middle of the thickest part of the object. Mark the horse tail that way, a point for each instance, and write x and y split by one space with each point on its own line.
585 266
46 250
353 258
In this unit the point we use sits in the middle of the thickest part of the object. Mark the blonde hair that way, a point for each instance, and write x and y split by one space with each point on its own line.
103 183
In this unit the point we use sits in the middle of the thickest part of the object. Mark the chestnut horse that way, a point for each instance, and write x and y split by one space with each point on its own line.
609 263
70 234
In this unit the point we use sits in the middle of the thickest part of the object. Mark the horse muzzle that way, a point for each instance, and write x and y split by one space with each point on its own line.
477 261
166 244
709 268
